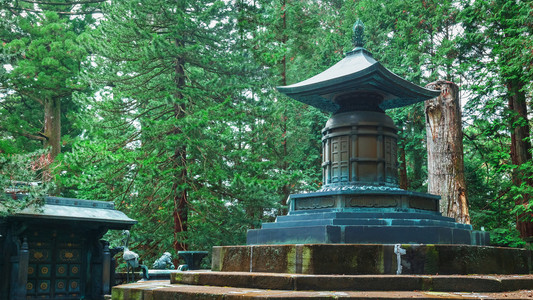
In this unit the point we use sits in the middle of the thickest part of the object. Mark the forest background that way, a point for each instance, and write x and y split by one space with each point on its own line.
169 108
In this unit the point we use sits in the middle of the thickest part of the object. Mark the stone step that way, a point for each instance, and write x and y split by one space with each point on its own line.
163 290
301 282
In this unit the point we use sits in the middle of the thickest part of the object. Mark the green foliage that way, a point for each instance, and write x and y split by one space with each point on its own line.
24 173
506 238
39 62
166 101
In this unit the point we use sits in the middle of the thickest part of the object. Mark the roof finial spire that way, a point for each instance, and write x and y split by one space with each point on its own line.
358 34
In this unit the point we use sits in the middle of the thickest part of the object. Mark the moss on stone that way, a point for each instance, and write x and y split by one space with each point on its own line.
431 262
291 260
176 277
380 261
427 283
134 294
117 294
354 261
307 256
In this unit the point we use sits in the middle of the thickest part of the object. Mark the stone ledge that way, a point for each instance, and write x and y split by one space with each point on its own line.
437 283
357 259
163 290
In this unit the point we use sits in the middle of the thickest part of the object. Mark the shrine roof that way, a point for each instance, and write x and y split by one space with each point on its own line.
69 209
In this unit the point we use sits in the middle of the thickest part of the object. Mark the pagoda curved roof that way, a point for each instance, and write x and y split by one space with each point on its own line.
357 72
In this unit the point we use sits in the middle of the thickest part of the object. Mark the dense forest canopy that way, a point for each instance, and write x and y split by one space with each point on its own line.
169 108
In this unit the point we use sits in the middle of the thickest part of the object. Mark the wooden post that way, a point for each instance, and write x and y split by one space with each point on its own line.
106 270
445 151
22 275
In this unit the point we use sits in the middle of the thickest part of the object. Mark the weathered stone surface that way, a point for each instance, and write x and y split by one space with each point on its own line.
236 279
372 225
277 259
443 283
235 258
162 290
372 259
368 259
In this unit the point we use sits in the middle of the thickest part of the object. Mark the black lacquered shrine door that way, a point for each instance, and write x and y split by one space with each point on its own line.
56 268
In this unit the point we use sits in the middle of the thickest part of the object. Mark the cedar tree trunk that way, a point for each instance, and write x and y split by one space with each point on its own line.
52 126
520 148
402 166
179 162
445 151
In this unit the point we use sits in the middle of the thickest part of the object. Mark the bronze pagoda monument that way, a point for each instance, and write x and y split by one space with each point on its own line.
360 201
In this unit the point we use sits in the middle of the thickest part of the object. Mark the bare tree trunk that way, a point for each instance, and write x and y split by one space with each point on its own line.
402 165
52 126
286 188
520 148
445 151
179 162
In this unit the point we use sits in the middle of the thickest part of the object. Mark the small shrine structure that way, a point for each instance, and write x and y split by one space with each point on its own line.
55 251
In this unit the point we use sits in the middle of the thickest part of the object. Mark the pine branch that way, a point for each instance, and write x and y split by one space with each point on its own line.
39 136
63 4
66 13
32 97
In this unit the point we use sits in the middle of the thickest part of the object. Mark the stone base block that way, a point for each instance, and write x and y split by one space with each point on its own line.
299 282
163 290
369 226
371 259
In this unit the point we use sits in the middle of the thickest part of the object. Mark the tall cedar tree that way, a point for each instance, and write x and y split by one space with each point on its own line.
498 32
41 61
163 60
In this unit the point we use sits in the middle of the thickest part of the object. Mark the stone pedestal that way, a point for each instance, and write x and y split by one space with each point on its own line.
371 259
361 201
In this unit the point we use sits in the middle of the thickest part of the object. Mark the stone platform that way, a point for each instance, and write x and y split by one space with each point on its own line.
370 259
299 282
367 226
344 271
444 287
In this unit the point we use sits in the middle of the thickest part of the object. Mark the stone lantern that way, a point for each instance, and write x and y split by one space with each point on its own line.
360 201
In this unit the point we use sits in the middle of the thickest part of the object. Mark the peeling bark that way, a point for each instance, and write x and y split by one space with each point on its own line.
445 151
402 172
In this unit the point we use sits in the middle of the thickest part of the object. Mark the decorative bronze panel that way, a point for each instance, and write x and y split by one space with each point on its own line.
360 147
314 203
339 159
32 269
61 286
374 202
424 204
30 287
43 287
39 255
74 286
69 255
56 264
61 270
44 271
74 270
